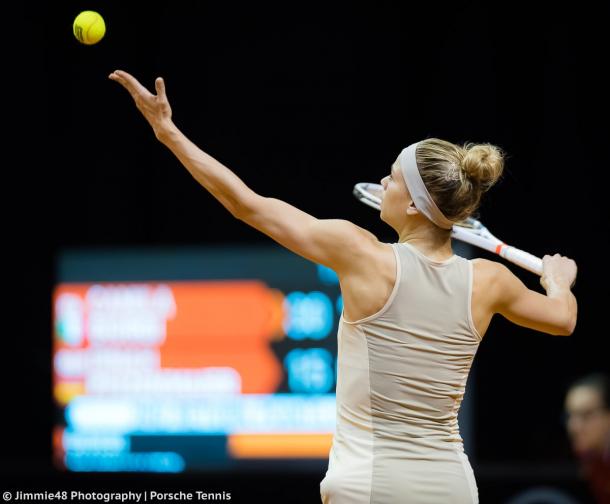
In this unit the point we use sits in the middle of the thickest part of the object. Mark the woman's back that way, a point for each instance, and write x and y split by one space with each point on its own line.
401 378
366 290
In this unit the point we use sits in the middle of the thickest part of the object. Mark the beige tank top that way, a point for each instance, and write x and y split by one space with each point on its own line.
416 352
401 377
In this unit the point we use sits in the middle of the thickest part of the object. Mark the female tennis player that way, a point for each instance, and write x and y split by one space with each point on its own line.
414 312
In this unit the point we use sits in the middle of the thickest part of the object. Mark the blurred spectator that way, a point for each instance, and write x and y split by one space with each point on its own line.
587 410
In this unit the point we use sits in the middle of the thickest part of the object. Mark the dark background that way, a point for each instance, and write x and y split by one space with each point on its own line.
298 97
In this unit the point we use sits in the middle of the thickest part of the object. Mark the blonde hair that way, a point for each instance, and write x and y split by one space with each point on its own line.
456 176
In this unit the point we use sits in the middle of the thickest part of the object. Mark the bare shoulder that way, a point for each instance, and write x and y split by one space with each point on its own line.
368 275
488 280
358 238
485 265
502 274
497 281
492 271
485 292
352 246
354 228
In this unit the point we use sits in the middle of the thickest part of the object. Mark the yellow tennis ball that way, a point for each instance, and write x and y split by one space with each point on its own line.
89 27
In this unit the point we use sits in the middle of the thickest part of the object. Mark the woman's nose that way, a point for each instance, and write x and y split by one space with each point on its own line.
384 181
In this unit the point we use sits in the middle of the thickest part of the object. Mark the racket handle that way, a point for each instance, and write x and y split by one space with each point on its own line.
521 258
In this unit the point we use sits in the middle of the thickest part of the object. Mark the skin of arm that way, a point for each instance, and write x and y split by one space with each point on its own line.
339 244
554 313
336 243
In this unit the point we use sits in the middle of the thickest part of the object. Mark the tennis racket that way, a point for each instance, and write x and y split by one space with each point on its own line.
469 231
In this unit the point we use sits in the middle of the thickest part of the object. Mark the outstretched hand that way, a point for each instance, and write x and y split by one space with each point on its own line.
154 108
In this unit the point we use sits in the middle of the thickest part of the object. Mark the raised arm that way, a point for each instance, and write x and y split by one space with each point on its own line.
554 313
335 243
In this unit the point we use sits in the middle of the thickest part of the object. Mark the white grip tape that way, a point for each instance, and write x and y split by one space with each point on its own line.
525 260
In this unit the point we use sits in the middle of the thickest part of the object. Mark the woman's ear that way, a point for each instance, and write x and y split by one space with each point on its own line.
412 209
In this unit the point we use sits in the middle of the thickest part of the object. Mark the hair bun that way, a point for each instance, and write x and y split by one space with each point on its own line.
483 164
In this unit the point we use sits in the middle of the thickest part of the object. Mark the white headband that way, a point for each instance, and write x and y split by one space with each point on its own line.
423 201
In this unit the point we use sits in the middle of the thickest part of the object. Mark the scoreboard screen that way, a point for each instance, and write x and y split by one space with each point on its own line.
193 359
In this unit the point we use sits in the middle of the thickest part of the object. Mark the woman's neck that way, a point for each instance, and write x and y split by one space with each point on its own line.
429 239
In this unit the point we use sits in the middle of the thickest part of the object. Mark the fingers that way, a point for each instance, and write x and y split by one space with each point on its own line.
119 76
548 257
129 82
557 261
160 87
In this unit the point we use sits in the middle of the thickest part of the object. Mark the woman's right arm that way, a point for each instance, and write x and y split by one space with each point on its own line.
336 243
554 313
